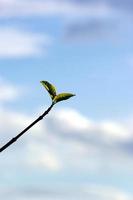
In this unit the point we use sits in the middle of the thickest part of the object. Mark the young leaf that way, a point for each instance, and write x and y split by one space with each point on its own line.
50 88
62 97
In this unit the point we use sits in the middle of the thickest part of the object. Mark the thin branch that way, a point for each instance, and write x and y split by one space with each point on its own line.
26 129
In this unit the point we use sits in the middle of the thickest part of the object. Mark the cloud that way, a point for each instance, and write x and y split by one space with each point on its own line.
84 20
116 16
92 192
64 8
65 141
67 8
122 5
83 127
43 157
11 120
16 43
57 141
38 154
103 145
91 30
15 8
104 192
8 92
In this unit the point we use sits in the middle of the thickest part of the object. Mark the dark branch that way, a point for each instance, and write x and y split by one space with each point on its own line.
26 129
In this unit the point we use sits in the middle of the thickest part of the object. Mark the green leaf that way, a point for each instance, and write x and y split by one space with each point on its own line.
50 88
62 97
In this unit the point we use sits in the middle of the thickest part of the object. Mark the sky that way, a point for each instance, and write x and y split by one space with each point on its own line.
84 148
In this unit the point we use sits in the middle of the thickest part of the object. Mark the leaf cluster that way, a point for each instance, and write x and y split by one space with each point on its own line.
53 93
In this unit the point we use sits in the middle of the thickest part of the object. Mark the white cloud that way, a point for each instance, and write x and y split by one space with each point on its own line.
43 157
106 130
12 121
104 192
65 141
84 21
8 92
53 7
73 119
58 141
16 43
115 131
92 192
37 153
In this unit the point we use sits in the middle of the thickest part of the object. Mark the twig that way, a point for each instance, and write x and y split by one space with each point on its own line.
26 129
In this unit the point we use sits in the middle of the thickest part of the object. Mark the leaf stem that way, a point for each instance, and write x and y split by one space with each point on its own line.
26 129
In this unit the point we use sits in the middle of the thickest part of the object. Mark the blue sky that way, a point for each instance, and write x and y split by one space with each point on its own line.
84 148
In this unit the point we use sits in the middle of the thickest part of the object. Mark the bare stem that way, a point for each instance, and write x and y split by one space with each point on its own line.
26 129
